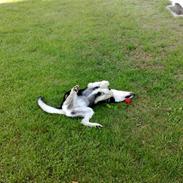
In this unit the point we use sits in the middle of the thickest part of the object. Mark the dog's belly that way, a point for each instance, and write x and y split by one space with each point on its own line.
82 101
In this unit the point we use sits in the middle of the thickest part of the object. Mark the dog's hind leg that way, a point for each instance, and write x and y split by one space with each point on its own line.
86 113
86 120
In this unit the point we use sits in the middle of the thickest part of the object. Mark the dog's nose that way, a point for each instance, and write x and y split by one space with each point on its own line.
131 95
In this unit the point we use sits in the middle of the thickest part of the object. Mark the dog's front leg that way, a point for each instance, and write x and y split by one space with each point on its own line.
71 99
99 84
102 94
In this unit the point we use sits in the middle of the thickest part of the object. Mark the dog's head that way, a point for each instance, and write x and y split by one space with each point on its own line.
120 96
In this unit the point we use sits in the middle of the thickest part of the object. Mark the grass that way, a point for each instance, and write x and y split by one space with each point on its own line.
49 46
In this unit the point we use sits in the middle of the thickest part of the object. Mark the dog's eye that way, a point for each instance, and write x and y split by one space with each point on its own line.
95 87
98 94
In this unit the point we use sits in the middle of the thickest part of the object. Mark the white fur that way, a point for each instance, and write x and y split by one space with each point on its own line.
48 108
177 2
77 106
120 95
173 3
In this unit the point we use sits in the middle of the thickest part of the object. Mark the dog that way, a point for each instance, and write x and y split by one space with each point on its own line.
79 102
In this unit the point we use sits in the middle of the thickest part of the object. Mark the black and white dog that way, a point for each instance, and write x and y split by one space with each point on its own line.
79 102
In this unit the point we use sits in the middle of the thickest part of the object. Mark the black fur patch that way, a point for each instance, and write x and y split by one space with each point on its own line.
73 112
95 87
80 92
64 98
68 93
111 100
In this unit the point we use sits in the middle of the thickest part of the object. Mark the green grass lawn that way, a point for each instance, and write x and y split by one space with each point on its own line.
46 47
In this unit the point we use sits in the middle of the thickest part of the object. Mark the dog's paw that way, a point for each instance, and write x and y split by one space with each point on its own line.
104 84
97 125
76 88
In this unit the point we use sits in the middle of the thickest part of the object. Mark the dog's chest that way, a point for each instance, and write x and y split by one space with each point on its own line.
82 101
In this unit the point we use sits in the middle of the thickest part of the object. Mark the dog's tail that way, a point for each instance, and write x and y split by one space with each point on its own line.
48 108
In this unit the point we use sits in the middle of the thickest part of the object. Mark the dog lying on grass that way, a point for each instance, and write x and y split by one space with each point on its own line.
79 102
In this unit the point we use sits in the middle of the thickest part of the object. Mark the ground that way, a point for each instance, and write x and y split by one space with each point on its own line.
47 47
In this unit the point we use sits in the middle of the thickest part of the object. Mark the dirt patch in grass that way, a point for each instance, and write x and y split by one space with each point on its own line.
178 76
144 60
